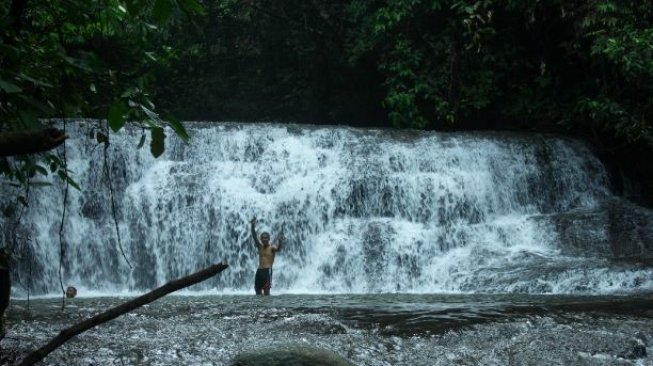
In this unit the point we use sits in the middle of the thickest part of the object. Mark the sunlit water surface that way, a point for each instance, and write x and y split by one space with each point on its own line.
382 329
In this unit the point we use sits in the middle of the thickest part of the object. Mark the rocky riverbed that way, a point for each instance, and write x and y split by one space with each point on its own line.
388 329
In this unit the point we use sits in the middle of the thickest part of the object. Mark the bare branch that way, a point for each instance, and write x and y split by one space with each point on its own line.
115 312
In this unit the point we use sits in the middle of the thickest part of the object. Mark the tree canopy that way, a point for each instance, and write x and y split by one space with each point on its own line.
68 59
575 67
555 65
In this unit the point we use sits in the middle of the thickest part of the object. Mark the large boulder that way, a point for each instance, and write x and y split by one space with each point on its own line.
291 355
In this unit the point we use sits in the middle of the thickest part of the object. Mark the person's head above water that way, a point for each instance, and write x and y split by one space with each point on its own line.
265 238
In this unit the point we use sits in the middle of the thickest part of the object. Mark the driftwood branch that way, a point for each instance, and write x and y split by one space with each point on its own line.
30 142
115 312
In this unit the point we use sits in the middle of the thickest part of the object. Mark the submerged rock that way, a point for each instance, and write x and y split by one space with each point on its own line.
291 355
634 351
617 230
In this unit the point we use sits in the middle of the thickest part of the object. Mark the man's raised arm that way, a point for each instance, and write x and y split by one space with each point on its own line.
280 241
253 224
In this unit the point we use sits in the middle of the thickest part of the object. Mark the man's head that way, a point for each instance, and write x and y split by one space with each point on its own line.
265 239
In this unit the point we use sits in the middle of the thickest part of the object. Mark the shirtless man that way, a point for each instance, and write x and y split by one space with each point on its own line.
266 253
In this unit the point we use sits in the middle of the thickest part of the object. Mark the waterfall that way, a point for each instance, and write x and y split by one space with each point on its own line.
363 210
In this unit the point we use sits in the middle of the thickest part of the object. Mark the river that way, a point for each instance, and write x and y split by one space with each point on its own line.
380 329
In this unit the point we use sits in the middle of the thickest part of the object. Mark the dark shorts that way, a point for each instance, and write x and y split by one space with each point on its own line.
263 280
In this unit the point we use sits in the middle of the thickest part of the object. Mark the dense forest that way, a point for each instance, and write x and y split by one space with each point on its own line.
583 68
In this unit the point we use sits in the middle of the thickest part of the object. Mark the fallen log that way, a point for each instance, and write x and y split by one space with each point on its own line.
115 312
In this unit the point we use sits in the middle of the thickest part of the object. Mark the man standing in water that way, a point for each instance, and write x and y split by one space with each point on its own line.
266 253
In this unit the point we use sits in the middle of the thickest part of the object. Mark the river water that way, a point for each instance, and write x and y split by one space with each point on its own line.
379 329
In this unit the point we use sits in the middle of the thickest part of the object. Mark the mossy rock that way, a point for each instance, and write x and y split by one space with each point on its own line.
291 355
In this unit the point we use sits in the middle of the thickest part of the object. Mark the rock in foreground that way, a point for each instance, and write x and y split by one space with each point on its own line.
291 355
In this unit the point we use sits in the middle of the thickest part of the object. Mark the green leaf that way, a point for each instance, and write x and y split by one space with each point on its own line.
150 113
157 145
55 159
37 82
77 62
117 115
151 56
40 169
141 142
73 183
179 129
30 119
36 104
130 92
9 51
134 6
9 87
191 7
162 10
66 178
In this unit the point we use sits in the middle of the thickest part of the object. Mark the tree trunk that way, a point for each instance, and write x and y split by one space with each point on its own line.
5 290
115 312
16 13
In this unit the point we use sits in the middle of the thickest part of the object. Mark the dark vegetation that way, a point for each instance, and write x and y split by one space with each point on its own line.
583 68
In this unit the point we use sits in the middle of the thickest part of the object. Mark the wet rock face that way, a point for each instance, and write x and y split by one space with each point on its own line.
291 355
617 230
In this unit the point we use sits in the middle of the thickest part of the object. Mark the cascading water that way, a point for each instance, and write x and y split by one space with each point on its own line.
364 211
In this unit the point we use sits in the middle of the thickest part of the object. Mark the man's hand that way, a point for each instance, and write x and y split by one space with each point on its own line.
253 221
280 239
